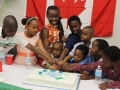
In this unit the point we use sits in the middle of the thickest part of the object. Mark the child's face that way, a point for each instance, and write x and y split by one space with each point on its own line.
94 50
75 27
53 16
78 55
10 31
85 35
106 62
56 50
32 27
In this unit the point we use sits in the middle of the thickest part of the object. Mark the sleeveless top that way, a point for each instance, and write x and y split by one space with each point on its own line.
53 33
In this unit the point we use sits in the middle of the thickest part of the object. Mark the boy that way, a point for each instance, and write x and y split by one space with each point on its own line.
57 49
110 66
9 38
75 27
96 50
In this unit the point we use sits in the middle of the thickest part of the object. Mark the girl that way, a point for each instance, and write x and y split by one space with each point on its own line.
53 31
31 26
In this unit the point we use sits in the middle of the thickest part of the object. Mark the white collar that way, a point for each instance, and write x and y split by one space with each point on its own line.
100 59
0 31
90 44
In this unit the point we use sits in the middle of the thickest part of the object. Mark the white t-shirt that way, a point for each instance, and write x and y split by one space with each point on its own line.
7 43
77 44
45 62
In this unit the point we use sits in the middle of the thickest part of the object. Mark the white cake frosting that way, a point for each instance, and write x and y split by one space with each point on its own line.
51 78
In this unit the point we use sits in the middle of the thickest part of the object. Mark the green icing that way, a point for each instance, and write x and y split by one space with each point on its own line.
59 78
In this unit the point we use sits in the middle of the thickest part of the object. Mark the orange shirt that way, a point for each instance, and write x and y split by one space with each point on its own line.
53 33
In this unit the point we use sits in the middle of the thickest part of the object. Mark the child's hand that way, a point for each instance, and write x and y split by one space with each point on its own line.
53 62
103 86
64 39
66 68
60 62
54 67
85 72
84 77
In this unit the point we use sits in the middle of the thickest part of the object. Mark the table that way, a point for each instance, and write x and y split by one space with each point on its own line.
16 75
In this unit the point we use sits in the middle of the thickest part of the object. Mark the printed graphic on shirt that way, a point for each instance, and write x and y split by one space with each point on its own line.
4 45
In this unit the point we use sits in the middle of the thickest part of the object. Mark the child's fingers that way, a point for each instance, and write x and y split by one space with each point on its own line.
102 86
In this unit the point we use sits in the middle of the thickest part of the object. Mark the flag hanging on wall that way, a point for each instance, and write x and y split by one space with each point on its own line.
97 13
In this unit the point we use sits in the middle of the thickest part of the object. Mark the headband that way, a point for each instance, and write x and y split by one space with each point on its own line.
31 19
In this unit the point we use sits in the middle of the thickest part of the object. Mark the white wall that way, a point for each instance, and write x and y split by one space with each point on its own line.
13 7
17 8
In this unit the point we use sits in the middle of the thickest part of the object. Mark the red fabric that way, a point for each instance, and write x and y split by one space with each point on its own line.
39 61
36 8
69 8
103 17
102 13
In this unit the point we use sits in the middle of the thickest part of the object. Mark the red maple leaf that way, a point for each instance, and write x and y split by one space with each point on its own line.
70 7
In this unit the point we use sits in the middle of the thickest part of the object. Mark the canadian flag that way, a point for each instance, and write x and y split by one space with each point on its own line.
97 13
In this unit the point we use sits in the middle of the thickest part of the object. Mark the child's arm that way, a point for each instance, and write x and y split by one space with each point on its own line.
64 39
68 46
68 67
86 77
40 45
86 67
51 67
113 85
22 42
42 54
73 65
63 54
67 58
85 72
44 34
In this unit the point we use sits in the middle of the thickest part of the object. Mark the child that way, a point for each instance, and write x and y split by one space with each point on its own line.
110 67
9 38
75 27
80 54
86 36
96 50
57 48
53 31
79 57
30 35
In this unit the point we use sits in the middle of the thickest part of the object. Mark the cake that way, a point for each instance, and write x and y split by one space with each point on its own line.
54 79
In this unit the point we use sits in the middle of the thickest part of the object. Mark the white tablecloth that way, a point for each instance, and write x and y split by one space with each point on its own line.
16 75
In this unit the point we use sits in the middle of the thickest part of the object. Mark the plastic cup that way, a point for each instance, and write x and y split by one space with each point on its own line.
2 58
0 66
9 59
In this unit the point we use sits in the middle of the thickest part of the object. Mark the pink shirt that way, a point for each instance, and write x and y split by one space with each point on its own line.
112 74
21 59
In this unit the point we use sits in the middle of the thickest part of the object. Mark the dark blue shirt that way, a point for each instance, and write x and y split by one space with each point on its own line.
72 40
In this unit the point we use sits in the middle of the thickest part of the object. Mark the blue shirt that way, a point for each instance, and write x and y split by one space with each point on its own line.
72 40
87 60
92 73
